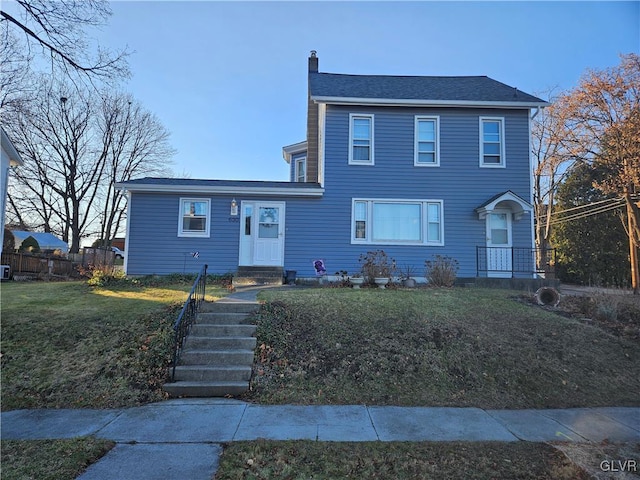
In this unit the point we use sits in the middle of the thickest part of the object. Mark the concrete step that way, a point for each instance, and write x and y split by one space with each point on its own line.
212 373
220 343
216 357
260 271
205 389
245 281
229 307
222 318
209 330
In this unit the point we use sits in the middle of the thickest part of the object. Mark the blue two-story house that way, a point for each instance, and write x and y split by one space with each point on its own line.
415 166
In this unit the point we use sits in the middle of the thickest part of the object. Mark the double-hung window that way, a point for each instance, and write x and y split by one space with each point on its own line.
397 222
194 218
492 142
360 139
427 142
301 169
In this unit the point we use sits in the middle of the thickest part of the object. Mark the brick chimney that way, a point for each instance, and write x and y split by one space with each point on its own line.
313 62
312 124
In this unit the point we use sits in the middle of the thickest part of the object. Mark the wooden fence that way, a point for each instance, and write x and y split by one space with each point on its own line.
94 257
45 265
24 263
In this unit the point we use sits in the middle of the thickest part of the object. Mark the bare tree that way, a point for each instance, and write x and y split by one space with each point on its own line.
58 28
74 148
602 120
52 35
552 163
137 145
14 67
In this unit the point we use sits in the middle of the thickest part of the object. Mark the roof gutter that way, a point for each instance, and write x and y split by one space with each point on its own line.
222 190
7 145
423 103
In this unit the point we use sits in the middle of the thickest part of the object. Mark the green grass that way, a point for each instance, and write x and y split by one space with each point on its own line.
69 345
50 459
435 347
398 461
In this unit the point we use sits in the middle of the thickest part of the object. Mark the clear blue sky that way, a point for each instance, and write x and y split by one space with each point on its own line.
228 79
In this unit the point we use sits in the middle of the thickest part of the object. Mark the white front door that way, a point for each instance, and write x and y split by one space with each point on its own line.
261 234
499 251
268 234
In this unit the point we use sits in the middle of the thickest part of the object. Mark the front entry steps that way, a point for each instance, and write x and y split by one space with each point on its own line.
258 276
218 353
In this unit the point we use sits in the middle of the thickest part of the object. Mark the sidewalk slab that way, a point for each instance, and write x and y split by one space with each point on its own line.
416 424
156 462
629 416
531 426
175 422
52 424
315 422
592 425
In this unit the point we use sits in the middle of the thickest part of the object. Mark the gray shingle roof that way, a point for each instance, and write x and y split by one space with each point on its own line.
438 89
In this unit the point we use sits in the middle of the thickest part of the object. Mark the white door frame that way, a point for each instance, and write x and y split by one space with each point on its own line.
500 255
251 247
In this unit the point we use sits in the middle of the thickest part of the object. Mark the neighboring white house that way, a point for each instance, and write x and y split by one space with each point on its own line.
10 158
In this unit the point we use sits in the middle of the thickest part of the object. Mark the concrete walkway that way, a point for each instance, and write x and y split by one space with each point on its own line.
180 438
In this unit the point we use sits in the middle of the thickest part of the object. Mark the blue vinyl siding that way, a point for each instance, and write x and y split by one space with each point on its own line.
320 228
155 248
458 181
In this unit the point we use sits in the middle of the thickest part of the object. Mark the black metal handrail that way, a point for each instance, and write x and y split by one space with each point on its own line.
187 317
515 260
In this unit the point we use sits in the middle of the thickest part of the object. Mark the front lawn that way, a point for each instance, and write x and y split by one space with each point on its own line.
69 345
435 347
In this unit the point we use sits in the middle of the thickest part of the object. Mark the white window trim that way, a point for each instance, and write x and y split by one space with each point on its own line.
417 119
369 225
297 169
206 233
503 161
371 161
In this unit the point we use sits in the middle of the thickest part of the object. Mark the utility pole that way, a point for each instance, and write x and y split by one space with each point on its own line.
633 248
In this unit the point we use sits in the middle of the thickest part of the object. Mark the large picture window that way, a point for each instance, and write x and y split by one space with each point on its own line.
491 142
427 148
397 222
194 217
360 139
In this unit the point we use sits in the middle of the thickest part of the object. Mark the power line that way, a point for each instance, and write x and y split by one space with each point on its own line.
585 206
595 211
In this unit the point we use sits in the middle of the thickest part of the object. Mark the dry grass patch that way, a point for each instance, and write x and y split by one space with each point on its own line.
264 460
50 459
605 461
435 347
69 345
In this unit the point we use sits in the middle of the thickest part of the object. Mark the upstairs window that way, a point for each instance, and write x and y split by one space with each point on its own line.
427 148
492 142
360 139
301 169
194 217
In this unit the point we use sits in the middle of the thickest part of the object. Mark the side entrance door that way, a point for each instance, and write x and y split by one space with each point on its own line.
262 234
499 246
